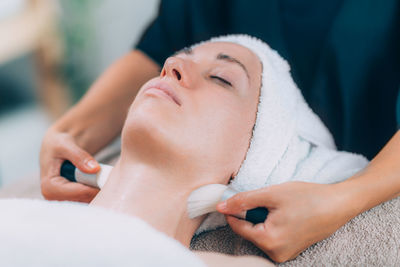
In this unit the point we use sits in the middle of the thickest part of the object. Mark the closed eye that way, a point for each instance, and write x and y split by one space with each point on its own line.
220 80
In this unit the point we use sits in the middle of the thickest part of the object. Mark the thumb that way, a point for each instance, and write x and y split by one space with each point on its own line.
81 159
247 230
244 201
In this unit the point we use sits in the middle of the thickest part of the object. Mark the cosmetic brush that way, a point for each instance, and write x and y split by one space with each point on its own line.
204 200
73 174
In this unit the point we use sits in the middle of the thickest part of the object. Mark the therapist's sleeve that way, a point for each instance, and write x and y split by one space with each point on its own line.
398 110
167 33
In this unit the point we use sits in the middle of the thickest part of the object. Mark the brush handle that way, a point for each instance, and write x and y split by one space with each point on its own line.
68 171
257 215
71 173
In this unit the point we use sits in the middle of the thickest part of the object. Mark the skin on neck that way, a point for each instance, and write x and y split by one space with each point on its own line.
153 194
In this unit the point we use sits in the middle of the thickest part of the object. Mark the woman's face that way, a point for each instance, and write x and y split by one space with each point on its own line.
200 110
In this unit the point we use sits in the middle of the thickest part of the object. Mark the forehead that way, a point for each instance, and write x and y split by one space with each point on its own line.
226 47
241 53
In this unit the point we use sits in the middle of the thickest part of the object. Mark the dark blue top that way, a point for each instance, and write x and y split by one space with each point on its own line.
344 54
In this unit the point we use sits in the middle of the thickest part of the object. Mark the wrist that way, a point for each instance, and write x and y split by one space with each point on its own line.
89 131
349 198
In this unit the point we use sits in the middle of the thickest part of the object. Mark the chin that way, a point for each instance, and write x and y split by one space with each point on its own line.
150 126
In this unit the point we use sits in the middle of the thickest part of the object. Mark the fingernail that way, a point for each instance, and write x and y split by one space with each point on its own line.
92 164
222 206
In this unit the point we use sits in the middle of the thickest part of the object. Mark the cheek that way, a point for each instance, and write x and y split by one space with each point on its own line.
235 135
224 130
235 129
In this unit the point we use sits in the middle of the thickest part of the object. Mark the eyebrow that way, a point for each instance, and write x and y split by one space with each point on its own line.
220 56
185 50
228 58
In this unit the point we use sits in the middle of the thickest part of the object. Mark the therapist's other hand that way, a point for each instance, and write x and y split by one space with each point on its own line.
56 148
300 214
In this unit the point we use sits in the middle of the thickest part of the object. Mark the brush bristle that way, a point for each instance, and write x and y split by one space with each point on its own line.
205 199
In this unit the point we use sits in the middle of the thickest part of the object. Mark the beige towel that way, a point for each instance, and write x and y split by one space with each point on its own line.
370 239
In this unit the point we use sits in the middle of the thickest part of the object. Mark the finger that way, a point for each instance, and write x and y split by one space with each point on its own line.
244 201
247 230
80 158
50 168
59 188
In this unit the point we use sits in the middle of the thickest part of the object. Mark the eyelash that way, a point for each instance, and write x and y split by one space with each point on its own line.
221 80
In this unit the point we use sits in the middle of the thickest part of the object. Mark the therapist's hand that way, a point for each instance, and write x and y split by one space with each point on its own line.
58 146
300 214
91 124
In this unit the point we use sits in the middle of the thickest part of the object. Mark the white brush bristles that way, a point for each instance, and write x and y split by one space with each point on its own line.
204 199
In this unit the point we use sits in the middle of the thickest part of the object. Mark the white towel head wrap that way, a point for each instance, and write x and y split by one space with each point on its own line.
282 113
289 142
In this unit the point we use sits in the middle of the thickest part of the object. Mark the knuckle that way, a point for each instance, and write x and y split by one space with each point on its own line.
59 147
276 251
261 242
272 241
46 197
239 201
45 192
61 144
279 257
87 196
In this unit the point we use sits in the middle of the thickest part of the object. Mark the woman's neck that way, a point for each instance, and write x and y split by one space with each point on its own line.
156 195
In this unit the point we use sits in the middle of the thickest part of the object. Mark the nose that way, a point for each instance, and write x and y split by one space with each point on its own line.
177 69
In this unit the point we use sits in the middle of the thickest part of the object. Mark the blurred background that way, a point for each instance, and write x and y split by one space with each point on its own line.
50 53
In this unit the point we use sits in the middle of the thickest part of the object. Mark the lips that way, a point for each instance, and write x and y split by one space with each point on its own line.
164 89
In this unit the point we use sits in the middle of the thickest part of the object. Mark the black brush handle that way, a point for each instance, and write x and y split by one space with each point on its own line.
67 171
257 215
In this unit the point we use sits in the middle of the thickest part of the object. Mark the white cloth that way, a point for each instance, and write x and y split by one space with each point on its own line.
289 142
43 233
